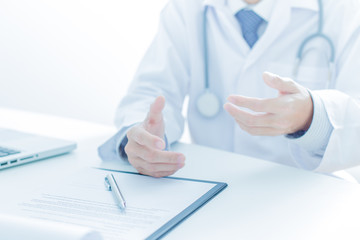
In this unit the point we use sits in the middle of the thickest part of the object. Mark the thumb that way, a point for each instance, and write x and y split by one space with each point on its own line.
155 112
283 85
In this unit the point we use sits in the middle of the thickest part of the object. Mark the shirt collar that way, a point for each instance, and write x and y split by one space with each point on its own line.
312 5
214 3
263 8
264 12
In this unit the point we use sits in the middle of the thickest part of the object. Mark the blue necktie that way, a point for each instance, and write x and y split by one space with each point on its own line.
249 22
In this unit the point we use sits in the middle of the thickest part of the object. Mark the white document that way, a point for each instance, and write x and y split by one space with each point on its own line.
83 200
20 228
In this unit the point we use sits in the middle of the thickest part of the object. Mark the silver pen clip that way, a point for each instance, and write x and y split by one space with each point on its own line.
107 184
111 185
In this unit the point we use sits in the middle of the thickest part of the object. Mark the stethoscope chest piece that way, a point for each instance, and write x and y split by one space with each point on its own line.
208 104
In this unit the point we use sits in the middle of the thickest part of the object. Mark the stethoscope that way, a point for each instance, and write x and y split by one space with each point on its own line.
208 104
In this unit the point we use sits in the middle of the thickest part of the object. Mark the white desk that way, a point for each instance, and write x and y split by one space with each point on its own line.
263 200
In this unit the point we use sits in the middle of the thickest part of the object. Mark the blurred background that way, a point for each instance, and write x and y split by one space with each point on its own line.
72 58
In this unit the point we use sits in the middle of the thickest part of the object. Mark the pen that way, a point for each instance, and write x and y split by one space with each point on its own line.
111 185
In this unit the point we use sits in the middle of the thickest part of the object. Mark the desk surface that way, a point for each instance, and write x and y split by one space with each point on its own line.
263 200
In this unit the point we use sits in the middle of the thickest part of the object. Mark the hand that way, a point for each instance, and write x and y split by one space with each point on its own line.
288 113
145 145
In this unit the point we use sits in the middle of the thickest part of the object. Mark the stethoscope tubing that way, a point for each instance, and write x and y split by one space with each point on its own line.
299 56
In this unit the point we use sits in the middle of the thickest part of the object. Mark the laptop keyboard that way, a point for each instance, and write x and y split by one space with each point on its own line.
6 151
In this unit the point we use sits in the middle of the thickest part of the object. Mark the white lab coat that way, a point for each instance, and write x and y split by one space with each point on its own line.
174 67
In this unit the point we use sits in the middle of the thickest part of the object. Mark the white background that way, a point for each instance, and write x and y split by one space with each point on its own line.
72 58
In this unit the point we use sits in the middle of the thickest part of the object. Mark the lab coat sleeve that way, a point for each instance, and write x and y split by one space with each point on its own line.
113 149
342 105
344 114
315 140
164 70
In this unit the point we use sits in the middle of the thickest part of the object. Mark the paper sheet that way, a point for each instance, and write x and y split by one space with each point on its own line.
19 228
83 200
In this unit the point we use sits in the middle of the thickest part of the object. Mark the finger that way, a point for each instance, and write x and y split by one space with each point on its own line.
270 105
261 131
154 169
155 112
143 137
163 174
250 119
283 85
160 167
157 174
155 156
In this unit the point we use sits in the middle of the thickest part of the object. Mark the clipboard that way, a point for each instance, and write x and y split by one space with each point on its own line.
196 205
155 206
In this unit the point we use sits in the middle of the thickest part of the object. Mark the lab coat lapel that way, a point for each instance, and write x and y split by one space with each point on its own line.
232 28
280 18
229 25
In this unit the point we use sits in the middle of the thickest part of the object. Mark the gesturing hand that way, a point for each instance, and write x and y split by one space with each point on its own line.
290 112
145 145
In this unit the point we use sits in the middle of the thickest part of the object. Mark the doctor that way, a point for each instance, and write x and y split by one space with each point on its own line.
258 83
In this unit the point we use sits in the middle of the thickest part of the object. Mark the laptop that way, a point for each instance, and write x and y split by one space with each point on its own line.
17 148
